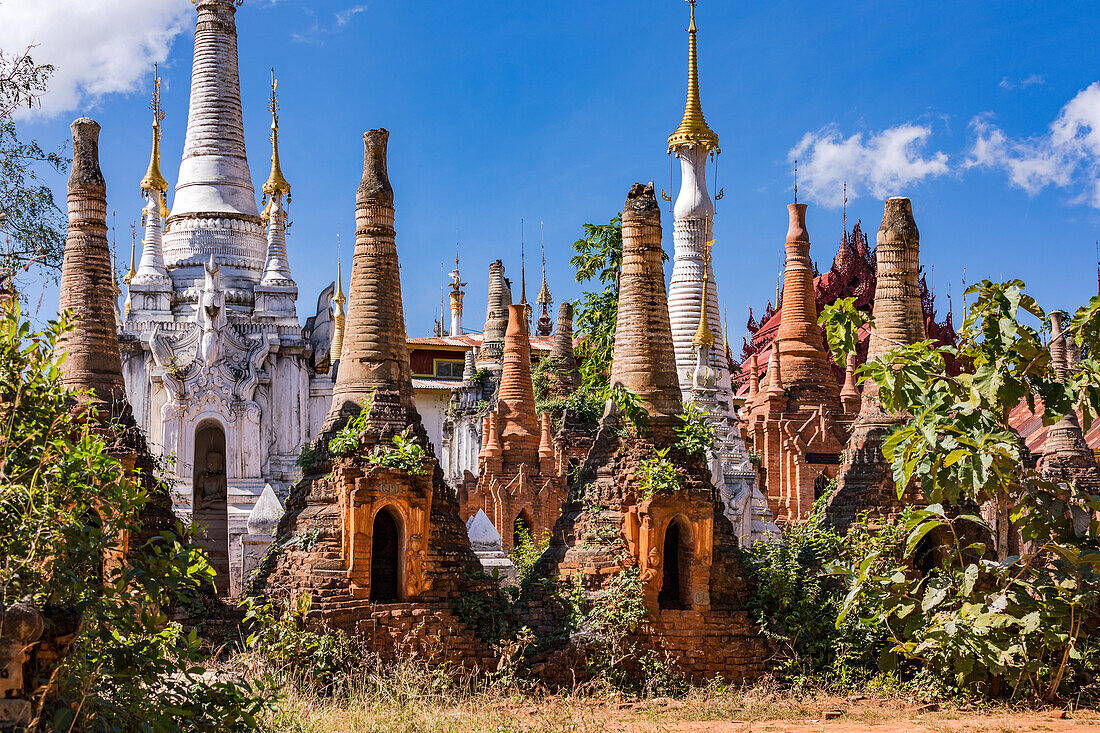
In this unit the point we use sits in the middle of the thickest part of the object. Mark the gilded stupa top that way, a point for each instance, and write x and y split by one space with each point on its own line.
153 180
703 333
276 183
693 131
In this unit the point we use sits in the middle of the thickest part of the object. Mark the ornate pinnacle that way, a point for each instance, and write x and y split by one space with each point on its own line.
703 334
693 131
276 183
153 180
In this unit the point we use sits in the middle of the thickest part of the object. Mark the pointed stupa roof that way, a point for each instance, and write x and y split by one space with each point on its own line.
154 183
517 424
276 182
693 130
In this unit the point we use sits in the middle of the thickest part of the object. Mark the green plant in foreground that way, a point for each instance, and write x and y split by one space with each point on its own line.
695 433
312 659
346 440
405 455
658 475
66 504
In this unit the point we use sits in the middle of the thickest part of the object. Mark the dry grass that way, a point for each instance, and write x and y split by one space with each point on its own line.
415 698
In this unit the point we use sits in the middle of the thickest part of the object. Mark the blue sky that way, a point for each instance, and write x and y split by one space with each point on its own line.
982 113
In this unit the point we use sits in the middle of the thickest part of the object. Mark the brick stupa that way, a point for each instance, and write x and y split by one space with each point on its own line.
1066 456
865 481
381 551
681 544
519 480
796 423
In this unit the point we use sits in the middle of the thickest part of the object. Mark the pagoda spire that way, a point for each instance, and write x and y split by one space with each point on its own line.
545 322
214 212
338 299
693 131
643 360
276 267
93 363
518 427
374 365
151 270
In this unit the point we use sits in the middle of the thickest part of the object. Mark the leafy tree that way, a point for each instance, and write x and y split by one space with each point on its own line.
1023 618
598 260
69 513
32 226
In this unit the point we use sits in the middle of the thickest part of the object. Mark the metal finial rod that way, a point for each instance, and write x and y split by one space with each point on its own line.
796 180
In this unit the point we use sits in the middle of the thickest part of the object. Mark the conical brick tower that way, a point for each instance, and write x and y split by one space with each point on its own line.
92 359
676 539
386 542
374 361
643 359
1066 456
796 423
564 378
865 481
518 480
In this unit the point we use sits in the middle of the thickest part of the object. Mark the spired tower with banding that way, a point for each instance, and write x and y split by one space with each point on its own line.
693 309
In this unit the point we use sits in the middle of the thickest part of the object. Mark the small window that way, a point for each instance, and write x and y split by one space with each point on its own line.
447 369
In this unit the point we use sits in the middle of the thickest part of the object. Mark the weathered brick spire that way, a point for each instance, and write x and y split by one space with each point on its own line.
564 378
374 359
899 318
1065 449
92 360
643 360
496 317
517 423
807 374
865 481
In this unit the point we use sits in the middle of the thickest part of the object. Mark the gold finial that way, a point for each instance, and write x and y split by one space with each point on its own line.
338 299
276 183
544 298
153 180
133 251
693 131
703 334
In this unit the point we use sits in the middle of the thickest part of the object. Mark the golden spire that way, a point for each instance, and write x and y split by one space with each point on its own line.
693 131
338 317
544 292
276 183
131 272
703 334
153 180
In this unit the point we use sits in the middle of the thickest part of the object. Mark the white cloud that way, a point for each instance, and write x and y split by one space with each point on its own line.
97 46
317 31
881 165
1066 156
1027 81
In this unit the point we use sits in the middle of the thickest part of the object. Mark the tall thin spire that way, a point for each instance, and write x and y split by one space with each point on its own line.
154 184
276 267
545 323
338 299
374 364
703 335
276 182
93 362
693 130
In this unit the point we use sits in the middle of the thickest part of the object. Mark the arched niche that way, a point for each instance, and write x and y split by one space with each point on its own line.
676 567
387 556
209 499
522 524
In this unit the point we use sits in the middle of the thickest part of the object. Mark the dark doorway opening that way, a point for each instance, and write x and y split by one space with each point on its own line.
522 529
671 595
385 547
210 511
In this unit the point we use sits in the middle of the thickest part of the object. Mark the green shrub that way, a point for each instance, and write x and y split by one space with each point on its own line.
346 440
695 433
66 504
312 659
527 550
658 475
405 455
